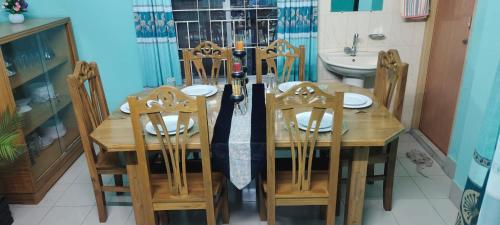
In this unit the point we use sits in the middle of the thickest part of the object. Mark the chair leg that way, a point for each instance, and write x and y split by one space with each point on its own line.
370 173
225 206
390 167
330 214
261 201
119 182
211 216
101 205
271 211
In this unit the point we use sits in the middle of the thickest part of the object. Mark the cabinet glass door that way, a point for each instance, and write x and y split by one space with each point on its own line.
34 95
37 67
56 60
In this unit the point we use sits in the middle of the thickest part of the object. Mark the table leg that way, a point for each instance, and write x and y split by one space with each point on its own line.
357 184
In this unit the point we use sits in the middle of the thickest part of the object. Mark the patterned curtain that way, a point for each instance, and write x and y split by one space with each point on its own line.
155 31
481 197
298 24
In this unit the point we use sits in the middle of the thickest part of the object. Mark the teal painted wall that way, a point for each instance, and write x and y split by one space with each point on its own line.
348 5
104 32
482 60
365 5
377 5
342 5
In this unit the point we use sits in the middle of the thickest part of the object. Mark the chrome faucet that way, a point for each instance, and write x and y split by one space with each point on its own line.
353 51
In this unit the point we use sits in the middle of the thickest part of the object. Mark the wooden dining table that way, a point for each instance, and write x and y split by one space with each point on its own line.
374 126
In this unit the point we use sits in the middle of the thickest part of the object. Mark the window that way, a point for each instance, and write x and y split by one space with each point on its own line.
219 20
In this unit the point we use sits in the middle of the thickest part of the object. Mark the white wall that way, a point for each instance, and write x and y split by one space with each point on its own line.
335 31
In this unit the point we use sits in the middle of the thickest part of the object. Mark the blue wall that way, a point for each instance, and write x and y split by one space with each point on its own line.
104 32
483 58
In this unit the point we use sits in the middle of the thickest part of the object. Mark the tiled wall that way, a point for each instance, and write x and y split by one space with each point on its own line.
336 30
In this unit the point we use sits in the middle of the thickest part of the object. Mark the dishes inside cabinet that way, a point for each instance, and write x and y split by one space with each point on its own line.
41 91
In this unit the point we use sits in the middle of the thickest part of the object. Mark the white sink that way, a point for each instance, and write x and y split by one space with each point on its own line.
363 65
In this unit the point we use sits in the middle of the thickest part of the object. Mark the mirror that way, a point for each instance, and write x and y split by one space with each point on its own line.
356 5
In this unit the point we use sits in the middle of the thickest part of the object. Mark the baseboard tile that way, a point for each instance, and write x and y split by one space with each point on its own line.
455 194
446 163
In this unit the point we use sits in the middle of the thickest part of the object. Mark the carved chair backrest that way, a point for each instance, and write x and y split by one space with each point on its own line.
211 51
89 102
390 81
280 48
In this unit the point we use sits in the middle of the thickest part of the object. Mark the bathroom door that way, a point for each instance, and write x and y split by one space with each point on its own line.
448 50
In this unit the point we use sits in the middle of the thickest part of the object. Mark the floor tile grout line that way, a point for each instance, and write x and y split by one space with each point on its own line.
439 214
428 201
85 217
44 216
406 171
425 194
58 198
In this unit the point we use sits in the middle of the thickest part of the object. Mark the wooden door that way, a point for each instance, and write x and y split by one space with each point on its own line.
446 62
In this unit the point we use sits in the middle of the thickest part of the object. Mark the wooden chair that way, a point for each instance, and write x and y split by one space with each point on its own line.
301 185
207 50
280 48
390 84
178 189
91 110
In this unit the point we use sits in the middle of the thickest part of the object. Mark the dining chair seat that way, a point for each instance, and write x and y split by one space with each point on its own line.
162 194
318 188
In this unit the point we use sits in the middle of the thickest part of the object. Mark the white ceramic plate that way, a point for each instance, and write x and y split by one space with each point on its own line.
356 101
125 108
200 90
287 85
325 125
171 123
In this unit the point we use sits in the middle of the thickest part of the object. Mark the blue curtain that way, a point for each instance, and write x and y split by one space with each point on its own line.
155 31
298 24
481 197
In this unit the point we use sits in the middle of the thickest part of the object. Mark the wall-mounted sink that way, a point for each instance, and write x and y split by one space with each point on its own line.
354 69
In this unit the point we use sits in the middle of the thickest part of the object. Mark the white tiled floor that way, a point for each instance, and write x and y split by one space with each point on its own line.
417 200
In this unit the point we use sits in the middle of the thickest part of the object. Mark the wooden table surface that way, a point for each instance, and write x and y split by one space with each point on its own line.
373 126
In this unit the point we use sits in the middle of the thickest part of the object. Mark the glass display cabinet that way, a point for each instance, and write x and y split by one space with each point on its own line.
35 58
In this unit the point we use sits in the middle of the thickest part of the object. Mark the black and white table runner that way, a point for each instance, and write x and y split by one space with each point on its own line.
238 143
